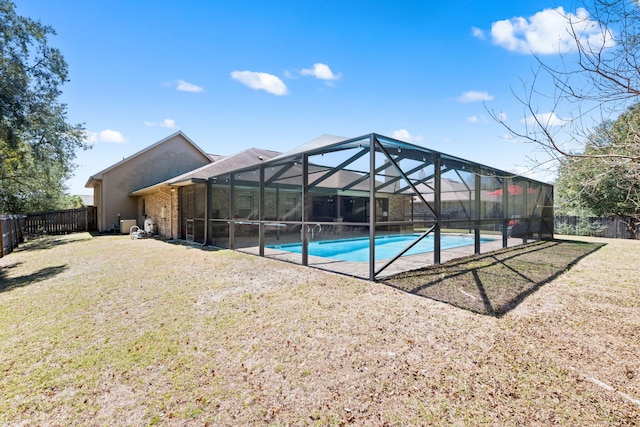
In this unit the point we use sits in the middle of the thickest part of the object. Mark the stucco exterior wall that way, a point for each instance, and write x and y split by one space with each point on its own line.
167 160
97 202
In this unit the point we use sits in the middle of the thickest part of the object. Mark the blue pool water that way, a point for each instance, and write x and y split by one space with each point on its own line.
357 250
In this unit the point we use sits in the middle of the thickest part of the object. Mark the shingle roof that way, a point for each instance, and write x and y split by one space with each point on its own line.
243 159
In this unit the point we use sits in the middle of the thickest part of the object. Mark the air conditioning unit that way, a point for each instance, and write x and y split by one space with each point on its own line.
126 224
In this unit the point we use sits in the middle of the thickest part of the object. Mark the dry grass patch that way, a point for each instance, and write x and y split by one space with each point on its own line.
106 330
496 282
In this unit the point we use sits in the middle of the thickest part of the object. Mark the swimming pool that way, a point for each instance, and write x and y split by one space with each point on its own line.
357 250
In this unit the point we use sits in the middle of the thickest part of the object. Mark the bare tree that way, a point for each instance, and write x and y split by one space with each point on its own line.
589 121
595 81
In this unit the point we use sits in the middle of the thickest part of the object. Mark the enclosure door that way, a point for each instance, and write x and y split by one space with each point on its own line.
187 213
192 213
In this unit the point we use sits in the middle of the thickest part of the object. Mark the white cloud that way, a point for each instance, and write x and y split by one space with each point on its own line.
539 172
107 135
550 31
260 81
527 172
546 119
474 96
166 123
482 119
183 86
405 135
321 71
478 33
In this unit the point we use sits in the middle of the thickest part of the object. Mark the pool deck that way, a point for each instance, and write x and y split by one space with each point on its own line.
405 263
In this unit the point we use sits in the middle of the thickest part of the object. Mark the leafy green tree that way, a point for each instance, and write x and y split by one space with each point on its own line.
37 144
604 180
592 82
74 201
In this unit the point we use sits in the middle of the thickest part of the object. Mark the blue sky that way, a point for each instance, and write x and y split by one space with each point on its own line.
275 74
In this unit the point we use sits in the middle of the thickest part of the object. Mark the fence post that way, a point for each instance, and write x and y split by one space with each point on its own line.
11 242
1 237
21 219
18 239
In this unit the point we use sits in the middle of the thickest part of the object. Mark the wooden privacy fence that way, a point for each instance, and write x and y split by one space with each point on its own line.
611 227
61 221
11 229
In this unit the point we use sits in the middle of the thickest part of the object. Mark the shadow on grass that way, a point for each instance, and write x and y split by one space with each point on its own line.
177 242
194 245
497 282
47 242
9 283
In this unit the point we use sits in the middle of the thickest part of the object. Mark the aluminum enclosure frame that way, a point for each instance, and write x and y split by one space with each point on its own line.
333 189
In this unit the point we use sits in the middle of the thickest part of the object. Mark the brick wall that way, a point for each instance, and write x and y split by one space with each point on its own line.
152 205
397 207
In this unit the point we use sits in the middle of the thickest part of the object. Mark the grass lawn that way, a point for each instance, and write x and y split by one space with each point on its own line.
111 331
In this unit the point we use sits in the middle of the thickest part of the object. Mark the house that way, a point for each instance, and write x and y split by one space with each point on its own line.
112 187
329 189
188 191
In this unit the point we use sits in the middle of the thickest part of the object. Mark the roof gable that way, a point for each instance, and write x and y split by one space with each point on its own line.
134 156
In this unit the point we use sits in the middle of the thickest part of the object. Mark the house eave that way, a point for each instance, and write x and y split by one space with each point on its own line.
92 182
166 184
